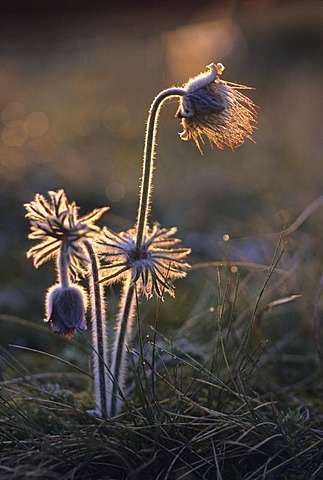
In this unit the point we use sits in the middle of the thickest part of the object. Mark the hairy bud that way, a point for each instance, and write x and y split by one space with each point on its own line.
65 309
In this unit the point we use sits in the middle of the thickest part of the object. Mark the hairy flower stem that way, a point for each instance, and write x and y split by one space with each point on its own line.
118 366
63 265
148 162
99 334
127 304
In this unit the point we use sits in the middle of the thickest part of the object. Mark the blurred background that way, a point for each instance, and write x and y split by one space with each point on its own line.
76 82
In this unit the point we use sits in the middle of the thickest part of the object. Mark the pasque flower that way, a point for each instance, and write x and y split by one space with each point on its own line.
62 234
147 270
65 309
145 260
55 222
217 109
161 259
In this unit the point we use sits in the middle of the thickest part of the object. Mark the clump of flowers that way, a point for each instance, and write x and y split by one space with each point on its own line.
144 259
216 109
65 237
148 271
62 235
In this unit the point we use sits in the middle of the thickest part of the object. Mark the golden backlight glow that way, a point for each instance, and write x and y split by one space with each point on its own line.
194 45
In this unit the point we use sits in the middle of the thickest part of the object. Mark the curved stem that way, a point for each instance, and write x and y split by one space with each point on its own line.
148 162
99 334
63 264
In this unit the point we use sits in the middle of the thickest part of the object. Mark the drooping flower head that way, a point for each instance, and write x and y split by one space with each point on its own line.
161 259
217 109
65 309
55 222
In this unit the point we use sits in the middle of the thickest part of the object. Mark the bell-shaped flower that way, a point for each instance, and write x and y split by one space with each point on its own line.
216 109
65 309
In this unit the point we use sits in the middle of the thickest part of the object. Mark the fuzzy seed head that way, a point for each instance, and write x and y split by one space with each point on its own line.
160 259
217 110
56 221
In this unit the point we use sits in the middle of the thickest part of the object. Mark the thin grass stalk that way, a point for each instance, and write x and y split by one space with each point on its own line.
99 334
217 357
148 162
118 363
146 410
153 356
233 306
245 343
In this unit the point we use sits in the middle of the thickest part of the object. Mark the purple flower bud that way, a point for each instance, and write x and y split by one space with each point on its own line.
65 309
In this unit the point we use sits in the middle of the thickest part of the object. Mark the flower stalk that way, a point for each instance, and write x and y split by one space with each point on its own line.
99 334
144 259
65 236
148 162
123 336
63 265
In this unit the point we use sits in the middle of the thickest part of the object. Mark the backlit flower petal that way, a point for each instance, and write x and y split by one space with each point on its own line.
217 110
55 221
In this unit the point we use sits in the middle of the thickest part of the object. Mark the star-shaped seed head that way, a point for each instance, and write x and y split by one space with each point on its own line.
56 221
160 259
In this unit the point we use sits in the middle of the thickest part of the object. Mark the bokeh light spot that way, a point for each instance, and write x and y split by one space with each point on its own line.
194 44
115 192
234 269
13 134
36 124
226 237
284 216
